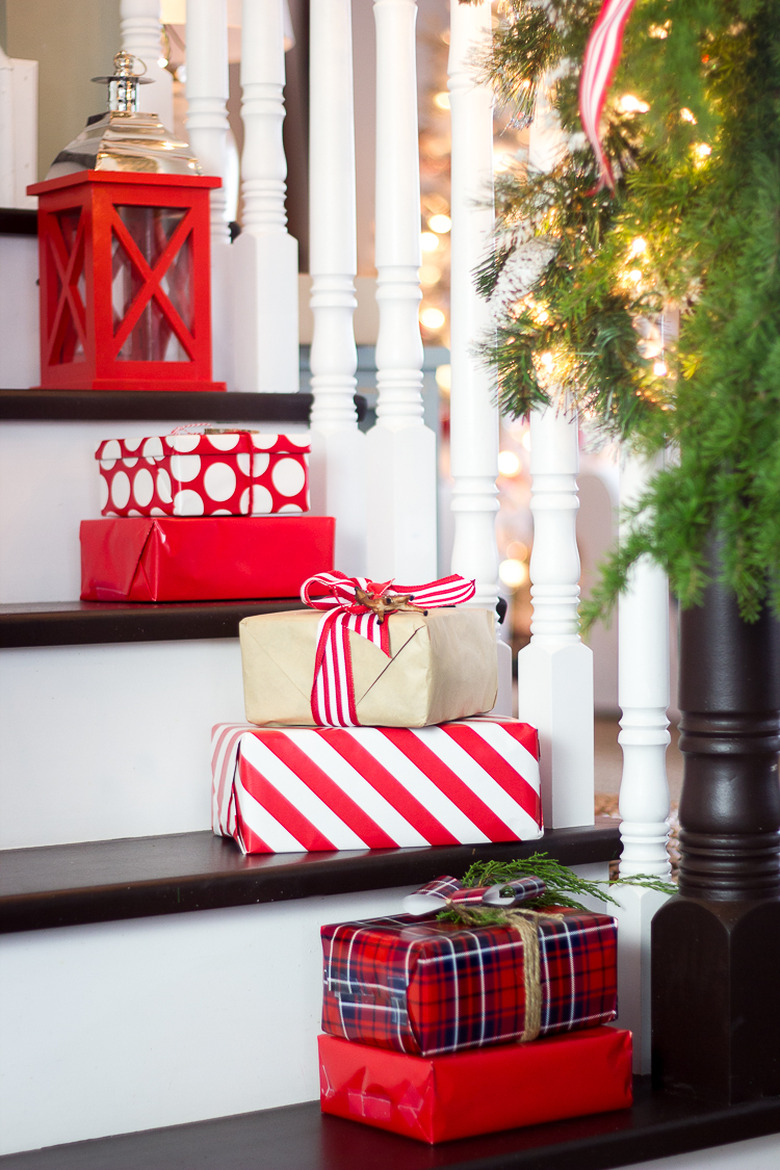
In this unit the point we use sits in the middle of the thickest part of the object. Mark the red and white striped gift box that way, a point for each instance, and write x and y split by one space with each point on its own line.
299 789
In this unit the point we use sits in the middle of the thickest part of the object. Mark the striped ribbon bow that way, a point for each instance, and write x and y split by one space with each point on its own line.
359 605
447 892
598 68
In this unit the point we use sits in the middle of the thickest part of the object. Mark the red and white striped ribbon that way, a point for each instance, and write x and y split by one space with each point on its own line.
598 67
333 691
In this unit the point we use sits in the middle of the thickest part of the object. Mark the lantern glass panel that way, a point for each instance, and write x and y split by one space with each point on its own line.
70 287
152 285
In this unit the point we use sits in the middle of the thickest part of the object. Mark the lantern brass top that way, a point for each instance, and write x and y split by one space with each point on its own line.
125 138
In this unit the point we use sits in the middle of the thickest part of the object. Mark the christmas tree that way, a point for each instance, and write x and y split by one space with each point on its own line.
643 288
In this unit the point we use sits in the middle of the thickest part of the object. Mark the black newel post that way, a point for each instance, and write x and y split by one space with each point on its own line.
716 944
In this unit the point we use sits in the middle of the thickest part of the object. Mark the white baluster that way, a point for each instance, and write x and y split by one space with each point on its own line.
643 694
265 256
555 671
474 414
18 130
207 129
141 34
401 450
338 447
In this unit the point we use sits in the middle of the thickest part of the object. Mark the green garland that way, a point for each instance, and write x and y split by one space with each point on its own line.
564 887
691 232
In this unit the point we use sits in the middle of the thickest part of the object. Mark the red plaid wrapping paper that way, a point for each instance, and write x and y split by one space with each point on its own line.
281 790
441 1098
424 986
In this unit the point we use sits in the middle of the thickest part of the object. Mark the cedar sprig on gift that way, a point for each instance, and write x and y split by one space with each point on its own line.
564 887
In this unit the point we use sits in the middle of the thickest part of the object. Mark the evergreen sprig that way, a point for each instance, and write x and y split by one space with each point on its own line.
698 191
564 887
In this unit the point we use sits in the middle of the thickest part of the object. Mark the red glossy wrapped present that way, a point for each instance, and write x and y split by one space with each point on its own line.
210 473
280 790
437 1099
204 559
428 986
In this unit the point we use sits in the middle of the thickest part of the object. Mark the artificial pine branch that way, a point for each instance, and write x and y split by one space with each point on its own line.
691 231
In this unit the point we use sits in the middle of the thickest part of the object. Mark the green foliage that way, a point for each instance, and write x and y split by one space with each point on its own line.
689 242
564 886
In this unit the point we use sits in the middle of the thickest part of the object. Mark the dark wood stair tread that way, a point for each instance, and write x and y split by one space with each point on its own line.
297 1137
101 881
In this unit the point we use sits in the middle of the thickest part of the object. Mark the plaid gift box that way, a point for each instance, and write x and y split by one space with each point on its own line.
431 986
440 1098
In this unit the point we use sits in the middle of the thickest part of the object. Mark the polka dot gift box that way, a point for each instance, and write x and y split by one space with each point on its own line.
211 473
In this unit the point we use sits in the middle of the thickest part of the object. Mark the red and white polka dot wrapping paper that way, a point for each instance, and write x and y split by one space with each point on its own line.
227 473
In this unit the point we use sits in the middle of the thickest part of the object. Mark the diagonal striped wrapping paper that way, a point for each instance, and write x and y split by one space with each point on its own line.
295 789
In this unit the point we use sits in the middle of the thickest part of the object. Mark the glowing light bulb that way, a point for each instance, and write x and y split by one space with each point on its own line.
440 224
630 104
659 368
432 318
509 464
443 376
638 246
702 150
430 274
513 573
442 100
429 241
687 115
547 360
635 275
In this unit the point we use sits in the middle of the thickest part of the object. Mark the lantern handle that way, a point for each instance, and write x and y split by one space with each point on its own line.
123 83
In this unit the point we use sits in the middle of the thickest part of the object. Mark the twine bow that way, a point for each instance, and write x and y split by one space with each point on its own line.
361 606
449 893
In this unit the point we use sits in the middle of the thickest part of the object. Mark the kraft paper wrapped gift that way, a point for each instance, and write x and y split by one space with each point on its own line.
442 666
282 790
441 1098
427 986
204 473
216 558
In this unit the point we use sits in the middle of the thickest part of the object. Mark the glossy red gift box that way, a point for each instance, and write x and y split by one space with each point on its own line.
426 986
437 1099
202 559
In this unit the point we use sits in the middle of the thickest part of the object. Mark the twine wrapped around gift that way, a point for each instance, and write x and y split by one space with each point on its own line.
467 902
361 606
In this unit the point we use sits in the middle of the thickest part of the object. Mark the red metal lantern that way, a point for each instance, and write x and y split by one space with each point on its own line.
124 256
125 282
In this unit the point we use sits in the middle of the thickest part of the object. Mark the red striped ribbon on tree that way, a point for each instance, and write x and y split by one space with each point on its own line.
360 605
598 68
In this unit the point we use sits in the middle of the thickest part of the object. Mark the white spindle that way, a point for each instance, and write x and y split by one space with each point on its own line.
265 256
643 694
555 671
338 447
474 414
401 450
207 131
141 34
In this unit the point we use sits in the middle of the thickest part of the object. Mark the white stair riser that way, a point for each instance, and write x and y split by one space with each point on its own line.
125 1026
112 740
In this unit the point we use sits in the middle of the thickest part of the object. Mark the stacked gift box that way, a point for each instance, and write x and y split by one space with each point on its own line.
203 515
366 728
441 1027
